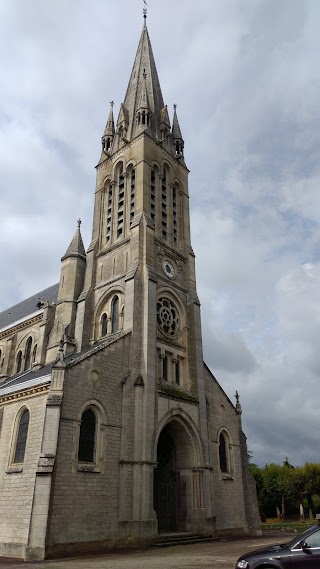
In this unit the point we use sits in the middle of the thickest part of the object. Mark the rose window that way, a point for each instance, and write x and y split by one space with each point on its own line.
167 317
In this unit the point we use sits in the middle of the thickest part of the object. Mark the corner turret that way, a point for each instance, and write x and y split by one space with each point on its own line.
178 141
73 266
109 132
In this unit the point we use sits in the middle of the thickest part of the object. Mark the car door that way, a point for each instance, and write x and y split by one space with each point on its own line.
309 556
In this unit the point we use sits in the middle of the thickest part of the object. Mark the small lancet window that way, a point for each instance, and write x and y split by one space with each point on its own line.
115 315
19 362
165 368
104 324
87 436
21 440
223 457
177 370
34 353
27 361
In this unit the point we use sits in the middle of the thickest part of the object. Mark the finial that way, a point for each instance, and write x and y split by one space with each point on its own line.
145 11
238 404
175 107
79 222
112 104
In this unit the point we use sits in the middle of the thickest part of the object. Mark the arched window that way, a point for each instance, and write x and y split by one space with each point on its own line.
132 193
27 361
153 195
34 353
223 452
164 232
87 436
19 362
115 315
104 324
175 215
121 202
21 440
109 213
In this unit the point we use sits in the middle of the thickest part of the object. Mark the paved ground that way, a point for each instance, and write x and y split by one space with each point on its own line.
212 555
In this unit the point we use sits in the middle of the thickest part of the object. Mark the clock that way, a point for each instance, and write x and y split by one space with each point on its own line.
168 269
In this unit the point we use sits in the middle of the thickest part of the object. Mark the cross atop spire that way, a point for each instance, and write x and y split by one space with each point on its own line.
145 11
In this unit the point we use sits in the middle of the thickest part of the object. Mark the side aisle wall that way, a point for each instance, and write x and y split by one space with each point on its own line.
232 489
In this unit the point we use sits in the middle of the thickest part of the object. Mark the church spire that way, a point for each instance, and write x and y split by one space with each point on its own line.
144 78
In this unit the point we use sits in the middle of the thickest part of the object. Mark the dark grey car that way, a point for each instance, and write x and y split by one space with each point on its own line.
302 552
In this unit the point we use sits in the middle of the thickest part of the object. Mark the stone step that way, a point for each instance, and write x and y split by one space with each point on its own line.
183 538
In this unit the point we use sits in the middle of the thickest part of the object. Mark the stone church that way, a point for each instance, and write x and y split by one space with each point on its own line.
112 428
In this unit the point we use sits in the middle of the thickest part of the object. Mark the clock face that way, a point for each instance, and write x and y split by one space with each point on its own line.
168 269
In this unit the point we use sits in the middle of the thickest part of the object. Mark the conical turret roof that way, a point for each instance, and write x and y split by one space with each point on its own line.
76 247
176 131
109 130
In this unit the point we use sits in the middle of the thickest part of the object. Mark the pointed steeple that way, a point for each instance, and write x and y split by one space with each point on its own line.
109 131
144 81
76 247
143 113
176 134
164 121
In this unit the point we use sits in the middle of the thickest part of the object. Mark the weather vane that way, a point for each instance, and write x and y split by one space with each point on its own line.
145 11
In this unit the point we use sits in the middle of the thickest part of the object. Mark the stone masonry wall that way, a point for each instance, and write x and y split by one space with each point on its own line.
85 504
16 488
228 498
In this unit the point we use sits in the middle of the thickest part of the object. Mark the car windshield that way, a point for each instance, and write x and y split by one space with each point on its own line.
299 538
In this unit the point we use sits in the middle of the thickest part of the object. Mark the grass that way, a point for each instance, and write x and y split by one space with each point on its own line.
297 525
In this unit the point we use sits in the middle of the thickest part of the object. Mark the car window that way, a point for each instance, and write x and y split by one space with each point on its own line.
314 539
296 540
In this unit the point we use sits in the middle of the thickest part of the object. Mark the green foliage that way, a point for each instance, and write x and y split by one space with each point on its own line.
257 474
283 487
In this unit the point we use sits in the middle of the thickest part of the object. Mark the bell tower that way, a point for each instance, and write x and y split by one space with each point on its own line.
140 268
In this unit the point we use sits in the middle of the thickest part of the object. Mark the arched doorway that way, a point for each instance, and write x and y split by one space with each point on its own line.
172 476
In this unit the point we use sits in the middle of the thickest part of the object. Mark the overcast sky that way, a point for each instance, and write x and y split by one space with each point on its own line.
245 75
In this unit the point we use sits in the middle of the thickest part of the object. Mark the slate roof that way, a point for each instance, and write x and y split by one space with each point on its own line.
24 376
28 306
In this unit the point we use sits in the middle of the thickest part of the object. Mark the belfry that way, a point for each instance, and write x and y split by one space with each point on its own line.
112 428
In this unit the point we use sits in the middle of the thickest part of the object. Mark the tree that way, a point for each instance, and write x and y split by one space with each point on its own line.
312 487
277 486
298 482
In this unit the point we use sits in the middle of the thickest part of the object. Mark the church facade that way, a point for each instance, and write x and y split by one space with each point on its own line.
112 428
